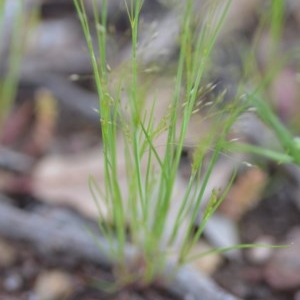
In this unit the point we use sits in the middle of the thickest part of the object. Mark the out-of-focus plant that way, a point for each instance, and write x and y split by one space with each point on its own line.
12 19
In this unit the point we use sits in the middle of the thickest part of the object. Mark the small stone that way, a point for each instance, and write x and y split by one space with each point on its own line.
297 296
259 255
8 254
32 296
283 270
207 264
13 282
222 232
53 285
29 269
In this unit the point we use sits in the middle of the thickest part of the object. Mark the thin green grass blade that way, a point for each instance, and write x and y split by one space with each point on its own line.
9 84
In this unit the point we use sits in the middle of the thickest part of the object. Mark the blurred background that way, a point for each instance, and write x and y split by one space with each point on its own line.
50 135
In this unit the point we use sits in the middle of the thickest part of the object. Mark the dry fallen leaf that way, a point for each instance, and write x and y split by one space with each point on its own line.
207 264
63 180
245 193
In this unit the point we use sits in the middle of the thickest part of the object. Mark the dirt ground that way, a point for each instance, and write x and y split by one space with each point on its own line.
243 278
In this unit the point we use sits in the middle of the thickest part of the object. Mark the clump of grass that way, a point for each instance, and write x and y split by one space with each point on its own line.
145 210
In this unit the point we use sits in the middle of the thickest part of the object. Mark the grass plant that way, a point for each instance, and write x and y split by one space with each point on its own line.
144 213
12 46
287 150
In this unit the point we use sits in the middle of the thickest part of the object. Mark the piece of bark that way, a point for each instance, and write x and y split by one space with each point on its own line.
191 284
56 46
51 237
74 98
15 161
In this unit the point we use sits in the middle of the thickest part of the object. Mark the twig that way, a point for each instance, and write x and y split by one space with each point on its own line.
15 161
70 95
52 237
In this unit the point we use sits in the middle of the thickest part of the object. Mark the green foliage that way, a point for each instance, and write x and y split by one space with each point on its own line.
14 50
149 198
288 150
144 212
